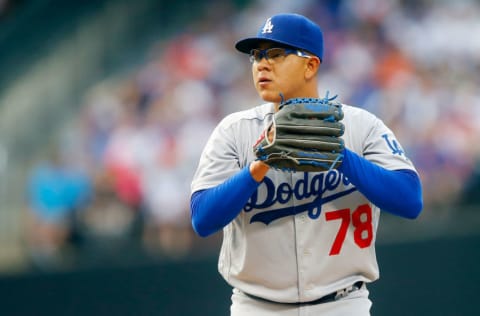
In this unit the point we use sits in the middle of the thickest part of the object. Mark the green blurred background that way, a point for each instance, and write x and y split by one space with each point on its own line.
105 106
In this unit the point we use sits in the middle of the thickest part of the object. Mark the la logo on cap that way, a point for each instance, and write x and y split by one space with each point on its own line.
267 28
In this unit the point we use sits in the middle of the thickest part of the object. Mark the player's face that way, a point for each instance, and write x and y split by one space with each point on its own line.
290 76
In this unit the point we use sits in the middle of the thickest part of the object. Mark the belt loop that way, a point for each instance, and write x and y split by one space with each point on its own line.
344 292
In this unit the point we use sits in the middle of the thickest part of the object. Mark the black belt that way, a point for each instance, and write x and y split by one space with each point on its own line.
324 299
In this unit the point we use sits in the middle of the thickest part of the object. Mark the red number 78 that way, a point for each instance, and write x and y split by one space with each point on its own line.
361 220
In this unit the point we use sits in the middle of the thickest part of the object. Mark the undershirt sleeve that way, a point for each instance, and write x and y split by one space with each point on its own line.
395 191
213 208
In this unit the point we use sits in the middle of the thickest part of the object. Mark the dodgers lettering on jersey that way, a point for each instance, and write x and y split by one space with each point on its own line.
313 184
300 235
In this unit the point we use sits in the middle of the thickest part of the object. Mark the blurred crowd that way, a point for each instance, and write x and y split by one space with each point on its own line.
126 161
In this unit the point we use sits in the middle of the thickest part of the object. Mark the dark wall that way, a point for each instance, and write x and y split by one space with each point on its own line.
428 278
188 288
425 278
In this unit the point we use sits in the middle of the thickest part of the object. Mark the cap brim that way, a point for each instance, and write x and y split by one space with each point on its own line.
247 44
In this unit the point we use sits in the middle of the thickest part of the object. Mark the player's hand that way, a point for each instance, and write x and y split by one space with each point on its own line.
258 170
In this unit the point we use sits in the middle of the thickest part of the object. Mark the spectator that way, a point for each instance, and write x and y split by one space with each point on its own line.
57 191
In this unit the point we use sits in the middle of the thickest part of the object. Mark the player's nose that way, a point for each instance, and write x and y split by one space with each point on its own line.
262 64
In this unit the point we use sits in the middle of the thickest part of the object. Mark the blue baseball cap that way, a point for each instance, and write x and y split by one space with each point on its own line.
288 29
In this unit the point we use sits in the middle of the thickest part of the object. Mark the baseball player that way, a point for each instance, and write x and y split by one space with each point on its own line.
298 243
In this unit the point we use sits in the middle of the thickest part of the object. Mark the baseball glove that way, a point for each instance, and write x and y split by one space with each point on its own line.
304 136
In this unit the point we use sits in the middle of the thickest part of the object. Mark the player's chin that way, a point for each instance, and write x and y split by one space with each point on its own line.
269 95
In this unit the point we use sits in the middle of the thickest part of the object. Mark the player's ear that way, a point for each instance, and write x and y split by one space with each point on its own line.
311 67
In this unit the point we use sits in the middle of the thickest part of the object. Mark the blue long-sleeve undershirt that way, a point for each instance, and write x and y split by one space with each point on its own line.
214 208
397 192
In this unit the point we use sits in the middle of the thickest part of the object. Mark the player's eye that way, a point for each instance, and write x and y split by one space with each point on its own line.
274 54
255 55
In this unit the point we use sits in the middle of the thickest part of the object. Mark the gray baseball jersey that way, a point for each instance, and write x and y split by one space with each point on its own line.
301 235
